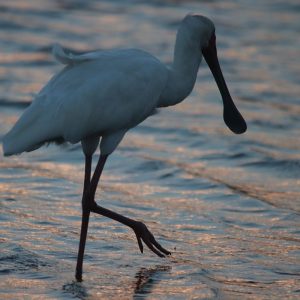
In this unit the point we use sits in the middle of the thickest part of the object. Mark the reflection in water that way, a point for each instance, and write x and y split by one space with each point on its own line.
147 278
145 281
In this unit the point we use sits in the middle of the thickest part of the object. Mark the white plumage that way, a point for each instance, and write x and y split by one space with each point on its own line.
103 94
97 94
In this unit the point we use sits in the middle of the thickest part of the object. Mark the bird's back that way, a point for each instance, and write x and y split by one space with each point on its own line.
97 93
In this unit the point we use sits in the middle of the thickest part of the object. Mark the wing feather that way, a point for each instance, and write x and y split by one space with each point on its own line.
108 91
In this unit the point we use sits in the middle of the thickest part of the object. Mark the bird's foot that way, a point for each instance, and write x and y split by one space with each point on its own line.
143 234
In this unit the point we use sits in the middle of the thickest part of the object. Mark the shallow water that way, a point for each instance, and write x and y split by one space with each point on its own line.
226 206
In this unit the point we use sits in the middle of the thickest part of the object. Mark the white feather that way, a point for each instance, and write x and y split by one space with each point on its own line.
105 93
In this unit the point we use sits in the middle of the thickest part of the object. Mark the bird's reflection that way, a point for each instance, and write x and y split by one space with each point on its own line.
145 280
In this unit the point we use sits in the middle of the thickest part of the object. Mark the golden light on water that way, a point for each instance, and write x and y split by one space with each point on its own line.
226 206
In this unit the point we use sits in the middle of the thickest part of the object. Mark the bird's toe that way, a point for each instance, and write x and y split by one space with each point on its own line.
143 234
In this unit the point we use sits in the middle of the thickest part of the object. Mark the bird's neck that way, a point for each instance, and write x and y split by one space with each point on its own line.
182 73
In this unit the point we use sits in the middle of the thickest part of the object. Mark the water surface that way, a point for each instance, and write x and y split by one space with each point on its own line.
227 206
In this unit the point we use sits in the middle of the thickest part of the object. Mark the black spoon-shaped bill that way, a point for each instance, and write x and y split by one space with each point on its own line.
232 117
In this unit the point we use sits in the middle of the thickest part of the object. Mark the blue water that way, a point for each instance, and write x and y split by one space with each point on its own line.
227 206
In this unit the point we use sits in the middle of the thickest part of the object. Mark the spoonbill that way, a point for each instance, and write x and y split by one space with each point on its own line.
102 94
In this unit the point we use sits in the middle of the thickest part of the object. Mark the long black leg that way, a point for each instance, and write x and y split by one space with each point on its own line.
85 217
140 229
89 190
89 204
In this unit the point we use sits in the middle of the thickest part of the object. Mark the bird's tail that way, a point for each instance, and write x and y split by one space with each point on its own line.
28 134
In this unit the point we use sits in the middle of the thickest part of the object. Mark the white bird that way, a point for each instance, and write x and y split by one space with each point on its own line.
103 94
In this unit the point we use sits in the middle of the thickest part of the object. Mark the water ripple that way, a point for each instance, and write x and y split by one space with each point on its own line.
226 206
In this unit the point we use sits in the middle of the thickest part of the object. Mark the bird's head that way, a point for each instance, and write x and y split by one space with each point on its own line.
200 31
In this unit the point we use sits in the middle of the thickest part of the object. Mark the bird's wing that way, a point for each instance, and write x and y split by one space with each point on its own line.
113 92
107 94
